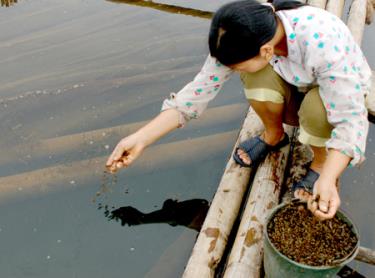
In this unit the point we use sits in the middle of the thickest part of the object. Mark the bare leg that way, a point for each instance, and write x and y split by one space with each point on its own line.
271 115
320 155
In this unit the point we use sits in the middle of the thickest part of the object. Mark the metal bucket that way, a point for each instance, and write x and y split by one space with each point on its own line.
277 265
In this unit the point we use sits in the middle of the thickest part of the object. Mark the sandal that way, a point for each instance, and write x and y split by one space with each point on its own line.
257 150
307 183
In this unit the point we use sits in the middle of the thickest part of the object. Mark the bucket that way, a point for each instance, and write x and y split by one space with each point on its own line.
277 265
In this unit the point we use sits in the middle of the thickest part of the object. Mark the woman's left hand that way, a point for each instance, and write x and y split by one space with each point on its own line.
325 200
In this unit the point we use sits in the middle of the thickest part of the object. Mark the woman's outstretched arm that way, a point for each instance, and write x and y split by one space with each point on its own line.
131 147
189 103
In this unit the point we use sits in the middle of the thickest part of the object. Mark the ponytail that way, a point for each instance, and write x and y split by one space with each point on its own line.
240 28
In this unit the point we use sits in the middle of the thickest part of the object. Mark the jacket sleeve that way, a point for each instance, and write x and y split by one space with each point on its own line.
343 76
192 100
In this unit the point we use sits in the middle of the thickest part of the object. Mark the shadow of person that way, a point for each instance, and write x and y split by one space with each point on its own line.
189 213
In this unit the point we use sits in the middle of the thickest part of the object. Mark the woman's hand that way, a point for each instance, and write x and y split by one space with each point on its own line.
129 148
126 151
325 200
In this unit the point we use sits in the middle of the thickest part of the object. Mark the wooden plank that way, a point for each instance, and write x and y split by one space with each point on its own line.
246 257
224 209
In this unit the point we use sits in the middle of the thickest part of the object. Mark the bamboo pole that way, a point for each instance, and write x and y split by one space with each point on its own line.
366 255
167 8
224 209
370 11
356 19
336 7
8 3
246 257
317 3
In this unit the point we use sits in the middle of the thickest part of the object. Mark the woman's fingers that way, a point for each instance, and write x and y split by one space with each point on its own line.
117 153
323 205
322 209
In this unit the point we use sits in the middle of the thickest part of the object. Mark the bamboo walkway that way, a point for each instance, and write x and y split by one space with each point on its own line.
246 254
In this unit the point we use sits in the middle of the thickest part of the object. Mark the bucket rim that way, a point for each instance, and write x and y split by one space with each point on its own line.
343 262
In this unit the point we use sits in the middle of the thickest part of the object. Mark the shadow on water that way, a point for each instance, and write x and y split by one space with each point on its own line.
189 213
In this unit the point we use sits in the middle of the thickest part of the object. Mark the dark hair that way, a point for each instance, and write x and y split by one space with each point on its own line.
240 28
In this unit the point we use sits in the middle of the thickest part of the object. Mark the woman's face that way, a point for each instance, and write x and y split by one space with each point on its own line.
252 65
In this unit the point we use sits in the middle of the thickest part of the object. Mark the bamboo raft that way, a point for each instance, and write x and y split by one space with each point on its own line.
244 257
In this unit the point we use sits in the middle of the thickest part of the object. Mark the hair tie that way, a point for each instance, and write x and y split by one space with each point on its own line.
269 5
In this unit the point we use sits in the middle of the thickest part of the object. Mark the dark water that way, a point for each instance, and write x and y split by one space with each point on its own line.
75 77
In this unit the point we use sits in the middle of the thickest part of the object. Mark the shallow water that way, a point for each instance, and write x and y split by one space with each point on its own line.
75 77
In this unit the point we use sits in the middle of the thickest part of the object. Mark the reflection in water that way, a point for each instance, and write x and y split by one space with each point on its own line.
189 213
166 8
7 3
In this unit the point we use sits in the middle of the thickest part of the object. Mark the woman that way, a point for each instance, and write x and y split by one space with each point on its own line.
299 65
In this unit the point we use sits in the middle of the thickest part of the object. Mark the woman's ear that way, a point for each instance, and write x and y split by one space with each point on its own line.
266 51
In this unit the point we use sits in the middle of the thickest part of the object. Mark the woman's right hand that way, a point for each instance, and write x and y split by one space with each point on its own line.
126 151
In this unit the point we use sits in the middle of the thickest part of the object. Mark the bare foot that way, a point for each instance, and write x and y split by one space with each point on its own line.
301 194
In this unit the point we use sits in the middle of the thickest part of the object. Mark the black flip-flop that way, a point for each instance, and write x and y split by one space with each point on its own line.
307 183
257 150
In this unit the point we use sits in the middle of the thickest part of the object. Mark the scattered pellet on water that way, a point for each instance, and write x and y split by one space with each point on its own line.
20 188
58 241
132 249
72 182
148 191
35 230
106 147
48 257
91 142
